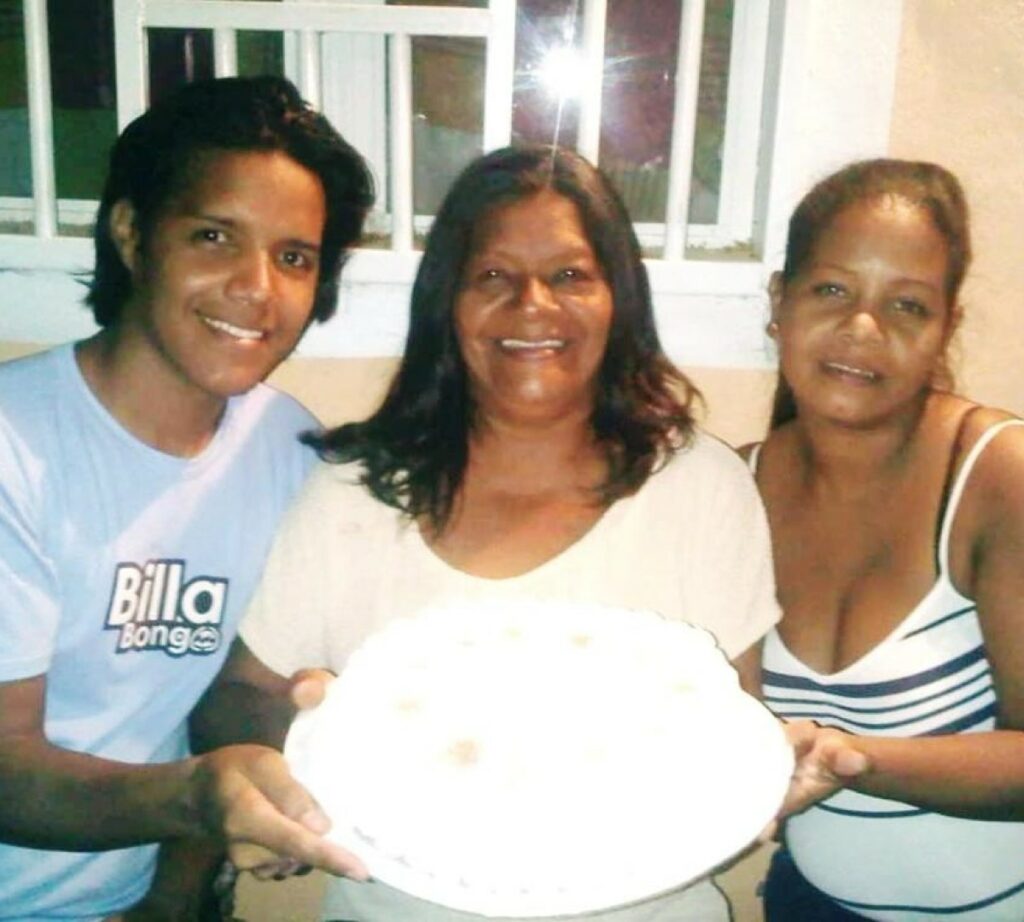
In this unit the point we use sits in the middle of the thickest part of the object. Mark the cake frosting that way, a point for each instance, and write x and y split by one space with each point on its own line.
534 756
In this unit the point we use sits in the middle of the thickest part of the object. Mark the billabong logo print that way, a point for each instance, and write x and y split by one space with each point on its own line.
154 608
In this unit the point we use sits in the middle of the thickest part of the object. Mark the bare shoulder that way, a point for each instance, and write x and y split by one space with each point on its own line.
999 437
993 498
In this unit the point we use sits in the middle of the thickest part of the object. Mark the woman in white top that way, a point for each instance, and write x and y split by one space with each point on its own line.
897 518
534 442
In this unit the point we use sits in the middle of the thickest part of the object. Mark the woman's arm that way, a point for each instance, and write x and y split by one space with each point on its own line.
975 775
978 775
748 666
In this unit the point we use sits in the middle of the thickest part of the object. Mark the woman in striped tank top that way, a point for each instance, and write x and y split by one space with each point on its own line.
897 517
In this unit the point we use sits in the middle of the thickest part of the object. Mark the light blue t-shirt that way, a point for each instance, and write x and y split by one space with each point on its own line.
123 573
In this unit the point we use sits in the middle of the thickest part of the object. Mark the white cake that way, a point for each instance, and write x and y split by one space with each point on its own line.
536 758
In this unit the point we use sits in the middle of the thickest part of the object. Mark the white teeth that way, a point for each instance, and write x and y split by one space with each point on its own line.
851 370
231 329
514 344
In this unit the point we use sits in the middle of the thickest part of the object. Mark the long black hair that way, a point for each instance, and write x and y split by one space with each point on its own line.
925 185
414 449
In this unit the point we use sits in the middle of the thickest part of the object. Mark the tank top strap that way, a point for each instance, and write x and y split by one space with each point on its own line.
959 484
752 458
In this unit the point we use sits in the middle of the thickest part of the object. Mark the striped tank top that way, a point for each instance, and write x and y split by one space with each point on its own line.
881 858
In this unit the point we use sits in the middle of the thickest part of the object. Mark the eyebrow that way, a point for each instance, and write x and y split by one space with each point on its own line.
570 251
230 223
902 280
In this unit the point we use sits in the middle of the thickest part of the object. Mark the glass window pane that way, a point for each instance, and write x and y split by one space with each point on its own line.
448 107
638 95
260 53
712 98
641 50
547 31
15 162
178 56
82 76
447 102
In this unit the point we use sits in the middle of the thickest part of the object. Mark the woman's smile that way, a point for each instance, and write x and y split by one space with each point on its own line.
533 311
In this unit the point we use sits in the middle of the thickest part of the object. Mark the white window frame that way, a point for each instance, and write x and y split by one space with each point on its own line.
831 106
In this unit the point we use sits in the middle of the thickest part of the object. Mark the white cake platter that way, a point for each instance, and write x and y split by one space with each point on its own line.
527 759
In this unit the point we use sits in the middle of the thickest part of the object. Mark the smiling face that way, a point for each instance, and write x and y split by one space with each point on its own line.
224 286
863 326
533 312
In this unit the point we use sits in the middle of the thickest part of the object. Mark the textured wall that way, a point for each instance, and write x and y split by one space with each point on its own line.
960 101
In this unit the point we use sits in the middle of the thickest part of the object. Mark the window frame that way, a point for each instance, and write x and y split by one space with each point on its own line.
827 107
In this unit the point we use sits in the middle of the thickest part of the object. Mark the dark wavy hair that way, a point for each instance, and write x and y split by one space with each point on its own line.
414 449
927 186
162 152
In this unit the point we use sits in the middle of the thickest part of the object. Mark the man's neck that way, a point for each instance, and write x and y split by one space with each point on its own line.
158 409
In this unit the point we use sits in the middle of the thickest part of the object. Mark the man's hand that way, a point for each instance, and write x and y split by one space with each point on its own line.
248 795
279 793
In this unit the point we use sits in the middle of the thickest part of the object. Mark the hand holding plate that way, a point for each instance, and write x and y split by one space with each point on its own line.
826 760
271 823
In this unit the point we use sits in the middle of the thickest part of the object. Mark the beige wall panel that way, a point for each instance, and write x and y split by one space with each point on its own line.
336 390
13 350
339 390
960 101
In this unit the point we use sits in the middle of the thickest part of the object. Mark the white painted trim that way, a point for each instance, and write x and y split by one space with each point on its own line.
316 17
684 127
833 106
595 15
400 169
24 254
751 40
499 77
40 117
225 52
131 60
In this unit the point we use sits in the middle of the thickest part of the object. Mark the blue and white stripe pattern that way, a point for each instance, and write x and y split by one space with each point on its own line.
880 858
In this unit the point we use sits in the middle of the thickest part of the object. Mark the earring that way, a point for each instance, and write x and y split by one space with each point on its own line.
772 329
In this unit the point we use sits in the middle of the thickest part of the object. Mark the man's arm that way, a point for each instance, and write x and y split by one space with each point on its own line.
247 703
58 799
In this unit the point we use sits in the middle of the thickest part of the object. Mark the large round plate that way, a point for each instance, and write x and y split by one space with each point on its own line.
540 760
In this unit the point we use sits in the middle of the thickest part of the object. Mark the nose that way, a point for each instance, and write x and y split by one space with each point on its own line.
251 280
535 295
863 324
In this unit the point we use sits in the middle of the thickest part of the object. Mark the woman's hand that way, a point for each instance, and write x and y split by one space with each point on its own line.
826 760
309 687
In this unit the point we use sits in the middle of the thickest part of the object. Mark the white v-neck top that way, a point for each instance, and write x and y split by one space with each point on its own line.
881 858
692 544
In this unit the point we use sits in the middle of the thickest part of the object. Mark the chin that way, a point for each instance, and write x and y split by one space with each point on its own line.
233 386
858 418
